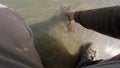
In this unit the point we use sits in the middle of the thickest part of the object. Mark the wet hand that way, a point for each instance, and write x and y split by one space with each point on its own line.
70 14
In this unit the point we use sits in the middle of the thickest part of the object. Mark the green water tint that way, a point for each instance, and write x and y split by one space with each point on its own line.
58 47
54 54
55 45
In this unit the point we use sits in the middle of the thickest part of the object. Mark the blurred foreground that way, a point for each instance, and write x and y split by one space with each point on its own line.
57 47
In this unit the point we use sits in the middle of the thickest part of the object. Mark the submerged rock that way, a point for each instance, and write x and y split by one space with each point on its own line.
57 47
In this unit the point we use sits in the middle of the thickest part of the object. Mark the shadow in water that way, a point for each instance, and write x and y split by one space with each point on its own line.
45 26
52 51
54 54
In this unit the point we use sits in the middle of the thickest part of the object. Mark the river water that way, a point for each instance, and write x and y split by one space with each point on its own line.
57 46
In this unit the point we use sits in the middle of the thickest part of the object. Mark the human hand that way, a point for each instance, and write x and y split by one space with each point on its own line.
70 14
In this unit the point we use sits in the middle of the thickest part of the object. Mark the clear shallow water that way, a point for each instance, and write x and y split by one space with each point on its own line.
58 47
